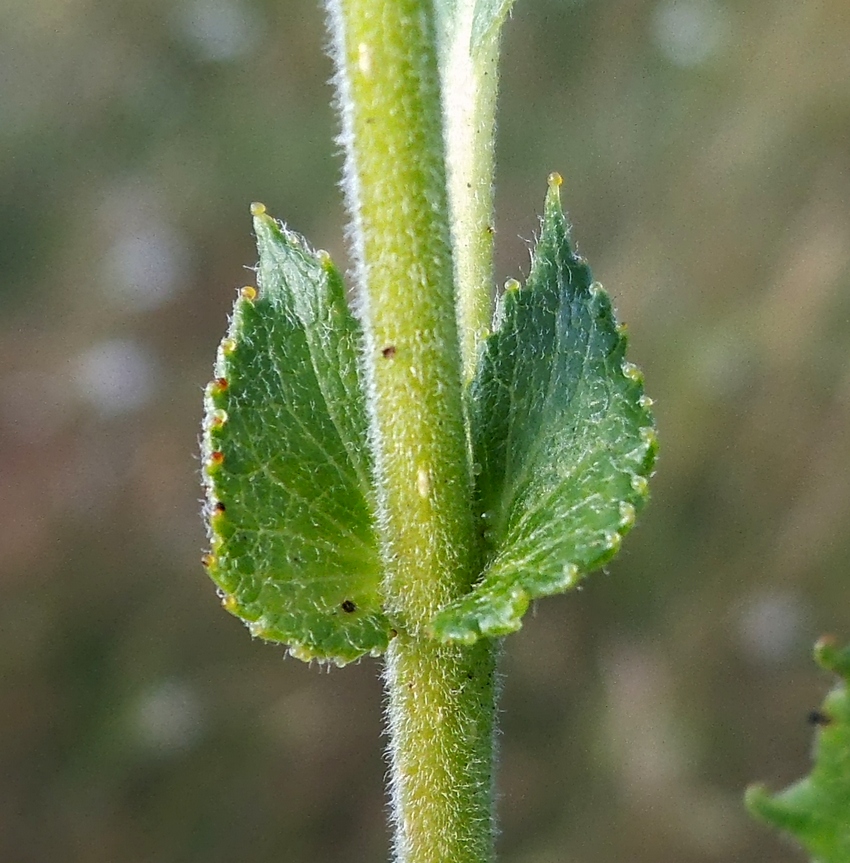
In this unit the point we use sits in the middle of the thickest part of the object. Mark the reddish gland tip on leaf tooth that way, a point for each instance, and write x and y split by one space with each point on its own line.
207 560
219 385
216 458
219 507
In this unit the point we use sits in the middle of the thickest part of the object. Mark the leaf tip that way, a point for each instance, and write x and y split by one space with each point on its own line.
488 615
831 657
258 209
553 196
757 799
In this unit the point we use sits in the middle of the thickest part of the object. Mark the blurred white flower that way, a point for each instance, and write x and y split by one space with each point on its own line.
689 32
116 376
217 29
168 717
145 266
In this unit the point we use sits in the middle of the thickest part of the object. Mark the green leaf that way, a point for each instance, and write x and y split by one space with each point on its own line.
286 461
563 439
816 810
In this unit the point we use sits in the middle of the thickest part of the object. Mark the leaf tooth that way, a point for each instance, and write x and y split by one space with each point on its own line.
218 418
612 541
649 436
214 461
632 372
640 484
628 514
258 628
230 603
572 575
216 515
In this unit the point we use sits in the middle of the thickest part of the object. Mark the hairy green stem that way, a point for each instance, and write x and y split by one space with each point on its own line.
440 698
441 721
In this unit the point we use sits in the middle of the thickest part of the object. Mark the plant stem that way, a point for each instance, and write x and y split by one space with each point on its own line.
441 698
441 721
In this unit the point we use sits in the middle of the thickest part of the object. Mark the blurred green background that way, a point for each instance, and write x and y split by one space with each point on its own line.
705 146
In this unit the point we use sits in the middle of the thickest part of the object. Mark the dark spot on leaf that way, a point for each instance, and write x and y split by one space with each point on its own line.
348 606
388 352
817 717
219 506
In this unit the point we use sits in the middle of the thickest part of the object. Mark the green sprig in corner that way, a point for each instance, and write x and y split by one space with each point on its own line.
816 810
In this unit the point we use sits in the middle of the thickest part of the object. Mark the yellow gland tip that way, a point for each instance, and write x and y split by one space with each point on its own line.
258 209
248 293
555 179
229 603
